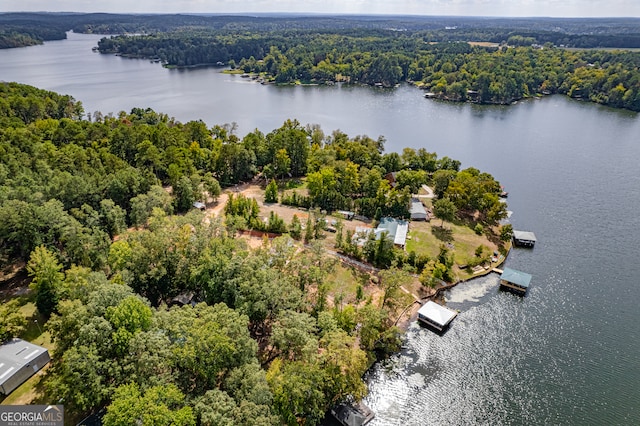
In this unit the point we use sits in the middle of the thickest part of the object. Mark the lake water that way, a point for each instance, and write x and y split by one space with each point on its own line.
568 352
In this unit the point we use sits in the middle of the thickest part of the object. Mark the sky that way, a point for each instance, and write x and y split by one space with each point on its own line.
509 8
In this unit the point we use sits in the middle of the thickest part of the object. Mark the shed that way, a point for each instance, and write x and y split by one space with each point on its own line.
200 206
19 360
436 316
524 238
517 281
346 214
417 210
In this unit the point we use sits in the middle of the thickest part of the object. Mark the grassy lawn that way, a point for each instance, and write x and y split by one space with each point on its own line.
426 238
344 281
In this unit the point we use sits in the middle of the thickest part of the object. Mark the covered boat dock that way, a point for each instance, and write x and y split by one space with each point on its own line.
524 238
436 316
352 414
517 281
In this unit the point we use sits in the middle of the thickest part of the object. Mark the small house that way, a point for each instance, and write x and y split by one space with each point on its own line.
391 177
183 299
436 316
200 206
361 235
417 210
524 238
396 229
514 280
19 360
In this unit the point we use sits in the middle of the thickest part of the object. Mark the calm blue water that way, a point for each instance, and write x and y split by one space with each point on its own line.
565 354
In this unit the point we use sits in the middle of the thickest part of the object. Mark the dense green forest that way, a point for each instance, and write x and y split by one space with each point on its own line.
88 205
528 57
570 32
449 70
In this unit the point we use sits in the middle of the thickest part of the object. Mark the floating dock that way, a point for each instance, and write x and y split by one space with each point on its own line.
436 316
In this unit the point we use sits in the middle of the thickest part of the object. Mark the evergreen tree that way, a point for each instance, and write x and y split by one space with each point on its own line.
295 228
271 192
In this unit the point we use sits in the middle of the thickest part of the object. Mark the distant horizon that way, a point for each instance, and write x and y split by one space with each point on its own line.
303 14
566 9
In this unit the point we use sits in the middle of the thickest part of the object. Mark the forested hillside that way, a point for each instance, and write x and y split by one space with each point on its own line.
570 32
495 60
455 71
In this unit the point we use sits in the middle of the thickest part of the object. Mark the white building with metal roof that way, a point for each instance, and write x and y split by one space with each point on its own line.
19 360
396 229
435 315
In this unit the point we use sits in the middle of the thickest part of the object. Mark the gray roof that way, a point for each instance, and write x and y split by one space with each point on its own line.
516 277
524 235
397 229
20 351
417 207
437 313
352 414
15 354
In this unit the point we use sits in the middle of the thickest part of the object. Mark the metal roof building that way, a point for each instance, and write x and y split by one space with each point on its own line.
417 210
396 229
436 315
19 360
524 238
515 280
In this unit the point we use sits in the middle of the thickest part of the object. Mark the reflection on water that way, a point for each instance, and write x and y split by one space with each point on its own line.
493 366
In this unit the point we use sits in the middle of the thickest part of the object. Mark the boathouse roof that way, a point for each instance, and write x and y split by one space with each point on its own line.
519 278
524 235
436 313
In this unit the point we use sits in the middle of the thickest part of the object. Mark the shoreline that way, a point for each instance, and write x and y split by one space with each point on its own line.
410 313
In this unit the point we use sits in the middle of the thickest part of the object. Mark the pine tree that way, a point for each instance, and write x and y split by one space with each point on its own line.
271 192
